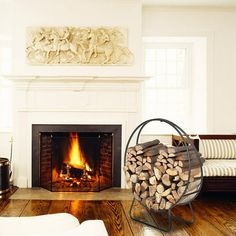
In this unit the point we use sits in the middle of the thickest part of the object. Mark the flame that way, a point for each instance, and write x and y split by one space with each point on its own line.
76 155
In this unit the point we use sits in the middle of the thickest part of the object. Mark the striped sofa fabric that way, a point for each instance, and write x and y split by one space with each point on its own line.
218 148
219 168
220 156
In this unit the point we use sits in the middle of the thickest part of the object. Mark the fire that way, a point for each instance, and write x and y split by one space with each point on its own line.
76 155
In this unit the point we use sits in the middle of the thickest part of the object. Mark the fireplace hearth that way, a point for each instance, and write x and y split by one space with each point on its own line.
76 158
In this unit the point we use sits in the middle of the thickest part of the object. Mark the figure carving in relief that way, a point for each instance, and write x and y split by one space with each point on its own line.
40 42
92 48
100 44
81 42
60 43
85 45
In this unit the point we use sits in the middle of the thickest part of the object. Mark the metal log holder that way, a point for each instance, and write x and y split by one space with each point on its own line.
187 196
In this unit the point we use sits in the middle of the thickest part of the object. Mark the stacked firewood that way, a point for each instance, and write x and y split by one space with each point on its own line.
159 174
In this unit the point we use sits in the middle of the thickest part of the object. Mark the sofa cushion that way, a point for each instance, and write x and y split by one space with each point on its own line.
218 148
219 168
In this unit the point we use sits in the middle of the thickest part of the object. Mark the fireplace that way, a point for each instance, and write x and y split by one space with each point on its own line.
72 100
75 158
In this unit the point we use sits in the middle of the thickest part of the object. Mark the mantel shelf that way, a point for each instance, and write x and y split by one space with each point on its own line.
74 78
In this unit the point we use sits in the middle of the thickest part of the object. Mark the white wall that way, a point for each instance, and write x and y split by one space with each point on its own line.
98 106
21 14
218 25
5 145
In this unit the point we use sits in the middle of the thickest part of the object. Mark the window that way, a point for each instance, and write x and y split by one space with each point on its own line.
170 92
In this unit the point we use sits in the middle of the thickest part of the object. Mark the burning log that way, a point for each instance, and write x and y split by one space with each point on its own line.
74 175
77 173
160 174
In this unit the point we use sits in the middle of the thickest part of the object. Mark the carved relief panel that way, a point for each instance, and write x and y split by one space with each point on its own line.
78 45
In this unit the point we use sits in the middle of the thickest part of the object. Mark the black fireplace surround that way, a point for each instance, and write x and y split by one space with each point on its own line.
114 130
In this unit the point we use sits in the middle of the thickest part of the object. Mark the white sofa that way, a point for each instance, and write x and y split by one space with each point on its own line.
60 224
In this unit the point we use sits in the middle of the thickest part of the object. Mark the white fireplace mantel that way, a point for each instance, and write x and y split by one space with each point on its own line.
71 100
25 78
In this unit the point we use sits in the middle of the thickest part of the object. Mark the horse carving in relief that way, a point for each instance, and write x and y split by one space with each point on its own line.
78 45
49 44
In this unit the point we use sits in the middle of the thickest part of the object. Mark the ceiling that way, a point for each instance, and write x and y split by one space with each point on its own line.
191 3
177 3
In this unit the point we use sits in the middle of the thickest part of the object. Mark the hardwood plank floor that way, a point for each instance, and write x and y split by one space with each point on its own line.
43 194
215 215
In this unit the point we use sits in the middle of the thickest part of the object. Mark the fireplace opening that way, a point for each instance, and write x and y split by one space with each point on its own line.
73 158
76 162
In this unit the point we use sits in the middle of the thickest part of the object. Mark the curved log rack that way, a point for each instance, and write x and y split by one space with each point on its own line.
188 194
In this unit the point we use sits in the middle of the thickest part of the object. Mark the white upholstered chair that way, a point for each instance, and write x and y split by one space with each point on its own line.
60 224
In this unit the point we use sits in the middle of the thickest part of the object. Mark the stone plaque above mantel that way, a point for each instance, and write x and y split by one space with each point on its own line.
78 45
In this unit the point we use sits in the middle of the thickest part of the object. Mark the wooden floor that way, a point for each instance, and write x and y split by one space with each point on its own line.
43 194
215 215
